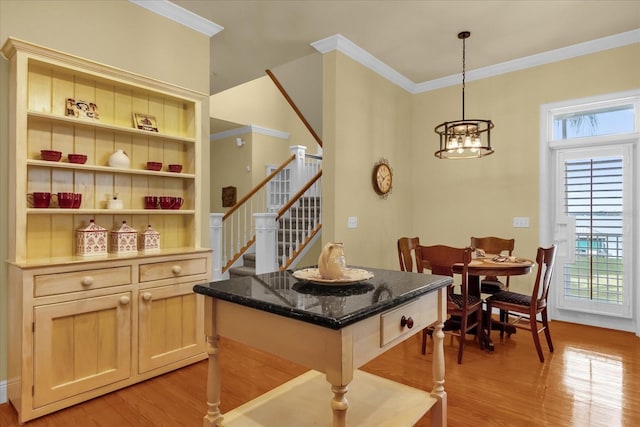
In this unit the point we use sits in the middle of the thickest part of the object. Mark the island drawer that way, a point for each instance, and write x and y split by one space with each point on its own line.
391 323
80 280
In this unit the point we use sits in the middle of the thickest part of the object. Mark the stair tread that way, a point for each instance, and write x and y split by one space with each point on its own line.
242 271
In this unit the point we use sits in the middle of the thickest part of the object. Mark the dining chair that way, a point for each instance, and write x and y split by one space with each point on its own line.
406 252
495 246
468 308
526 308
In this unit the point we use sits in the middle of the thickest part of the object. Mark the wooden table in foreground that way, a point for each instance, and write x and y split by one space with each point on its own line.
333 330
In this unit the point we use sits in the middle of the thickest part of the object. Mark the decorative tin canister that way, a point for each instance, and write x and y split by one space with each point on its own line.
91 240
124 240
150 240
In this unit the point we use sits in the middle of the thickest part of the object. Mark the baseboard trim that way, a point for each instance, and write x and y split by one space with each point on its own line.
3 392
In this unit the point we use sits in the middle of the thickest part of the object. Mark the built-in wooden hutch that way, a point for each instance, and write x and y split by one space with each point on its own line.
82 326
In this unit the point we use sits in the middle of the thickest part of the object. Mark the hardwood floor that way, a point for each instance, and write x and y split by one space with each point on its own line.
592 379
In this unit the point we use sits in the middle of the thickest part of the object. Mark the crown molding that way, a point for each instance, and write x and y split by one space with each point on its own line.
249 129
348 48
180 15
344 45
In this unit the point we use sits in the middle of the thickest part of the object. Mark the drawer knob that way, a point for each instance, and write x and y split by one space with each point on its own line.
124 300
146 296
87 281
406 321
176 269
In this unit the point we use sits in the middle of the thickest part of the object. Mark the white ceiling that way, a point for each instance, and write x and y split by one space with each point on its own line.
417 39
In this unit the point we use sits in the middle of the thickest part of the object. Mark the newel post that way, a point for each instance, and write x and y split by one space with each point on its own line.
266 242
215 241
297 168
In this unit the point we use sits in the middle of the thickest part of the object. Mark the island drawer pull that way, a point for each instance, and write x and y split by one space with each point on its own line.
406 321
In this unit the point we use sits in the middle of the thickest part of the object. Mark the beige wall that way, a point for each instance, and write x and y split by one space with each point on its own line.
227 168
365 118
259 103
438 200
242 167
482 196
117 33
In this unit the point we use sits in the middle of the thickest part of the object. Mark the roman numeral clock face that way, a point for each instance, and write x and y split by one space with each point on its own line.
382 178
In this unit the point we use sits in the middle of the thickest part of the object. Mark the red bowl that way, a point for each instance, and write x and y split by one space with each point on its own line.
154 166
50 155
77 158
175 168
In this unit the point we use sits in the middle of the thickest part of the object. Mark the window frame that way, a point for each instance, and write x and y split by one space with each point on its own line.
548 149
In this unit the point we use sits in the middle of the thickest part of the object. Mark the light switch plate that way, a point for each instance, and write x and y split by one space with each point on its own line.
352 222
521 222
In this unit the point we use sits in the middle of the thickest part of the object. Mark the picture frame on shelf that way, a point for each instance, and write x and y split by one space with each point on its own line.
145 122
81 109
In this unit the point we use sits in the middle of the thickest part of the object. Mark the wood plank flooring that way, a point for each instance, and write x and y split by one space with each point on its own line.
592 379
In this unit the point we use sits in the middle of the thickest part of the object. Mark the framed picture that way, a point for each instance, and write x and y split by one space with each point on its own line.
145 122
81 109
228 196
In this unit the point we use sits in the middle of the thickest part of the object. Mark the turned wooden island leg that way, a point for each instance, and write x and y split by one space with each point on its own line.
213 418
339 405
439 410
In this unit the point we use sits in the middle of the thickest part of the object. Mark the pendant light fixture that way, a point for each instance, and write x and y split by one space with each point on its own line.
464 139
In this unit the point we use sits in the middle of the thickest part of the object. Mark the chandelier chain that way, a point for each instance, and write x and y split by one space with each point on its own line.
464 65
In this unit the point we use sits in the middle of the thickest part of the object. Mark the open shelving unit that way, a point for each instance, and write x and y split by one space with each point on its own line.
82 326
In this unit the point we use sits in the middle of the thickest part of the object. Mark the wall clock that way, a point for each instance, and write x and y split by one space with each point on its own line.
382 178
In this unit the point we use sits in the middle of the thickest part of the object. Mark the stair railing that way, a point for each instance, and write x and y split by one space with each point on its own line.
238 229
299 221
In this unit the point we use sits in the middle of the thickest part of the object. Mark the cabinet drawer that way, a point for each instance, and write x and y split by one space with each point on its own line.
60 283
390 322
172 269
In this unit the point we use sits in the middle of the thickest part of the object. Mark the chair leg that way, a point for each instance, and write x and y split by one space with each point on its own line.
504 323
536 338
425 332
547 333
463 332
489 321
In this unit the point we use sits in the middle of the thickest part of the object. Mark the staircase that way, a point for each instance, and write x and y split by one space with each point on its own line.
247 269
292 230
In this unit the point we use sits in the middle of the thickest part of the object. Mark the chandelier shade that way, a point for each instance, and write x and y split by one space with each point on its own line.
466 138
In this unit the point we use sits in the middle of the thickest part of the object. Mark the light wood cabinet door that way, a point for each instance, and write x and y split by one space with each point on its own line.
80 346
170 325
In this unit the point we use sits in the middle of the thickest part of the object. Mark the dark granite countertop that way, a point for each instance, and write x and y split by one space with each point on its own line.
331 306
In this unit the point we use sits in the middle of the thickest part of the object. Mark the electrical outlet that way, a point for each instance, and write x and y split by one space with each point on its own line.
521 222
352 222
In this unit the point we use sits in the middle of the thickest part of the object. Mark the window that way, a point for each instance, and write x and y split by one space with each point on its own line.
605 121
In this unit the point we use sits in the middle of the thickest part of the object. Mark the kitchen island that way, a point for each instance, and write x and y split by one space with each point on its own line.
333 329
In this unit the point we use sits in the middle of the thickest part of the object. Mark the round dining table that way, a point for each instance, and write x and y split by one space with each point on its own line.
492 265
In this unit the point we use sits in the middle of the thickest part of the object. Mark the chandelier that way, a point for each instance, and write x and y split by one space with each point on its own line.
463 139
